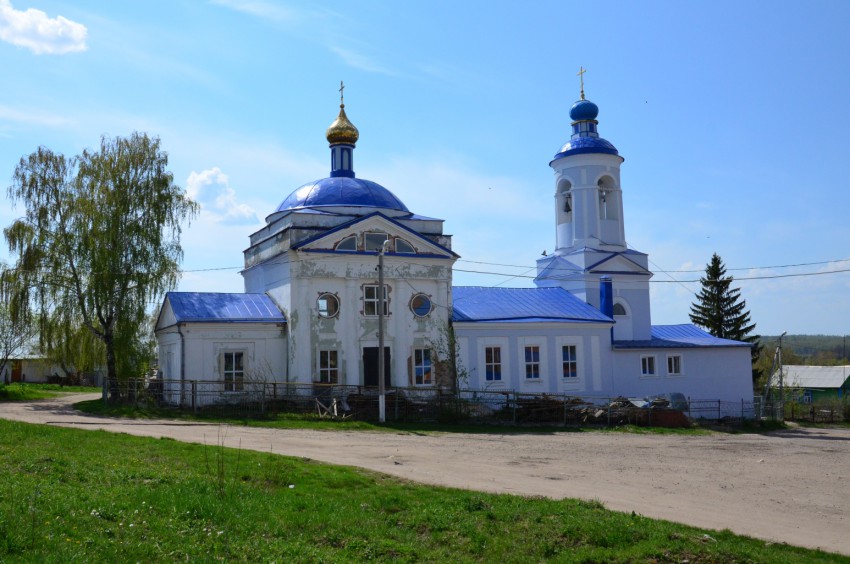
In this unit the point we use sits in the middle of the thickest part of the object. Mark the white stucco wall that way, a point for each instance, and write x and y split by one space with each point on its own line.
716 373
592 343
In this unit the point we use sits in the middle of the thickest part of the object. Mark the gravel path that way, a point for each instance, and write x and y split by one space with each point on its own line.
791 486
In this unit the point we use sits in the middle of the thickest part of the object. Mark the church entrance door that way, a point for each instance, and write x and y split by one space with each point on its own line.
370 367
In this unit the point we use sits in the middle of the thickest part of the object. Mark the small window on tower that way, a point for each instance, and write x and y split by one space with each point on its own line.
619 310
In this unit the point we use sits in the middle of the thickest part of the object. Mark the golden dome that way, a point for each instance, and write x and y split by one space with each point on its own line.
342 130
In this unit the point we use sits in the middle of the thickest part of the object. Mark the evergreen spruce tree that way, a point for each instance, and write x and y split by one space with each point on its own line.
721 311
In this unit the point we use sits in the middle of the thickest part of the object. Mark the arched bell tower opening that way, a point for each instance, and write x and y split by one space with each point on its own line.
564 213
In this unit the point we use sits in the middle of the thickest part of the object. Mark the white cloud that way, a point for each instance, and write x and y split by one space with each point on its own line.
360 61
32 117
39 33
264 10
218 202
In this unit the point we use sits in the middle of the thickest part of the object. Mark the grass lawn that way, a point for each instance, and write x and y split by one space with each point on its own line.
91 496
28 392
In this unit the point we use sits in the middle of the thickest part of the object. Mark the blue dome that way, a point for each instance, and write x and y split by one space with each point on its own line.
342 191
578 145
584 110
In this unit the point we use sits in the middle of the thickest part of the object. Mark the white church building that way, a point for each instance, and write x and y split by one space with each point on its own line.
310 311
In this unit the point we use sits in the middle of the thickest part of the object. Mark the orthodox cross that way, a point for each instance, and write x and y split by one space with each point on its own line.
341 88
580 73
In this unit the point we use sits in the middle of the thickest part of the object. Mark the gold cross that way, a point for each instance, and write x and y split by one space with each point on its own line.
580 73
341 88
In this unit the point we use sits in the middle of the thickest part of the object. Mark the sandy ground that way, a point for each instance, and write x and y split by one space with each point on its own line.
791 486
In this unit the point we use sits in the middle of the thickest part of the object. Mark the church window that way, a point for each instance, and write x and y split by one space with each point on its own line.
619 310
402 246
420 305
674 365
647 365
532 362
328 366
371 300
569 361
347 244
493 364
328 305
422 367
374 241
233 371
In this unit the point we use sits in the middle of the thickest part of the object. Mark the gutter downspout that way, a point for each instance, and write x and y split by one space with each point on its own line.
182 366
606 306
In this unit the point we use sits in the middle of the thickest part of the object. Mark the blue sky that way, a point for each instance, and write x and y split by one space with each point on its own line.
732 118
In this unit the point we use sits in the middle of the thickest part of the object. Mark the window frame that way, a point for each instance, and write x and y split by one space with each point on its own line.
534 374
234 383
491 366
647 362
326 315
374 301
574 362
398 240
328 372
344 240
366 243
423 359
676 358
426 297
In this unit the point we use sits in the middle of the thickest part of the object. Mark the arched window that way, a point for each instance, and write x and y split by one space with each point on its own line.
402 246
347 244
619 310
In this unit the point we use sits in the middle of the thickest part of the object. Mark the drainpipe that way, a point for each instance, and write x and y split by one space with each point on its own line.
182 366
606 299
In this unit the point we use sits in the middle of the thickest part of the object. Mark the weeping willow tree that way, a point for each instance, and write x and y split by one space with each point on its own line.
99 242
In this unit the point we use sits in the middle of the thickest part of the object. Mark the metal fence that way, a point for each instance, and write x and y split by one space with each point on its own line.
426 404
826 411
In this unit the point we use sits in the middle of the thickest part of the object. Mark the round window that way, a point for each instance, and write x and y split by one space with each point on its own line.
328 305
420 305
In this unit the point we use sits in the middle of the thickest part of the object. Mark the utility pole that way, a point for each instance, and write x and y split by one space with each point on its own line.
382 404
781 379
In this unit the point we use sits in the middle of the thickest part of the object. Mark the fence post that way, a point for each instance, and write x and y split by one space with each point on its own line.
718 410
689 408
195 396
565 411
742 409
515 402
396 404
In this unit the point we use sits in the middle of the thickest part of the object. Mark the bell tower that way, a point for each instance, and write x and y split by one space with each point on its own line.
590 238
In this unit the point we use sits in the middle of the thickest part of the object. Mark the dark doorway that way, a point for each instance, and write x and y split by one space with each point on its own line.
17 370
370 367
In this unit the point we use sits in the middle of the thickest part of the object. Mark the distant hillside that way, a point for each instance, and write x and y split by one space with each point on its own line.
810 349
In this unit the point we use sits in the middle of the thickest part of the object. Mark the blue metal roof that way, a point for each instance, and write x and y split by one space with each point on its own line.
482 304
342 191
210 306
679 336
578 145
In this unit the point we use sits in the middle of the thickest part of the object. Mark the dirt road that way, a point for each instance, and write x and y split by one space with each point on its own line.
791 486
